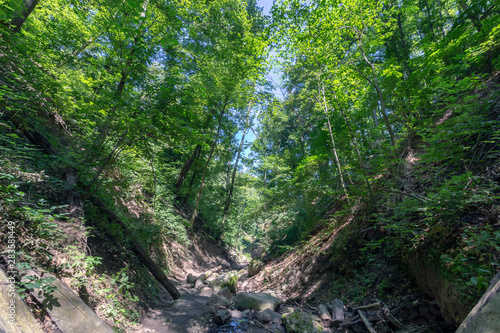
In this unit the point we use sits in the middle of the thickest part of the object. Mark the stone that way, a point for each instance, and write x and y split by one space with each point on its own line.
302 322
254 267
256 301
485 316
191 279
218 301
267 316
206 291
247 313
15 316
229 280
285 309
192 291
222 317
225 292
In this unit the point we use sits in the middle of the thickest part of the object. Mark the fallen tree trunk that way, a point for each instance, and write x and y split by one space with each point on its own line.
484 317
325 315
140 251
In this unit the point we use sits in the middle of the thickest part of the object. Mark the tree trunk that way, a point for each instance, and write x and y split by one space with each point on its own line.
235 168
334 149
20 17
374 82
143 255
187 166
193 217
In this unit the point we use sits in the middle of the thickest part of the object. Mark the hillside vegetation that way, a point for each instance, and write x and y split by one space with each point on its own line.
372 172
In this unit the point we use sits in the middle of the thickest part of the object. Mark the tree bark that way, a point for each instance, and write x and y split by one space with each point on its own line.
187 166
235 168
20 17
334 149
354 141
193 217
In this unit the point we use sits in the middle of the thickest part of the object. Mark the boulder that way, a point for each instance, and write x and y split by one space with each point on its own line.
302 322
256 301
218 301
224 292
286 309
267 316
236 314
222 317
191 279
206 291
191 291
229 280
485 316
254 267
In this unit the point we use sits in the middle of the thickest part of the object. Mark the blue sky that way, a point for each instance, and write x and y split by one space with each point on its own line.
250 137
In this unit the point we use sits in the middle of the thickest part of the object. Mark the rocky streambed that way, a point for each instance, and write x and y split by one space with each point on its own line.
221 308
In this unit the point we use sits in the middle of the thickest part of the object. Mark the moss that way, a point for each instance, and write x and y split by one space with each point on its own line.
232 283
302 322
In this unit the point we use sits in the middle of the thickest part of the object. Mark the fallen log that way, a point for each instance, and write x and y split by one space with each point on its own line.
141 253
65 308
368 326
393 319
484 316
369 306
325 315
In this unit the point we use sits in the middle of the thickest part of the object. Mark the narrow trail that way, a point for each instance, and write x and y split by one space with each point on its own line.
191 313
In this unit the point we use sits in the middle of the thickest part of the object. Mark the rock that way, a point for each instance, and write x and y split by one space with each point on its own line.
236 314
218 301
285 309
302 322
224 292
15 316
222 317
192 291
254 267
206 291
267 316
247 313
229 280
183 292
485 316
191 279
256 301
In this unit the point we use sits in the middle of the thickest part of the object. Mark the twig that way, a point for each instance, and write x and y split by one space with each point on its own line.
351 323
366 322
413 195
311 307
369 306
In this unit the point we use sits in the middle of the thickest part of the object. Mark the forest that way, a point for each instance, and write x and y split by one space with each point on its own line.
373 151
